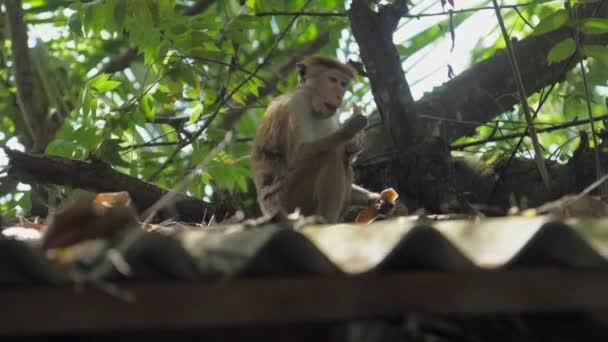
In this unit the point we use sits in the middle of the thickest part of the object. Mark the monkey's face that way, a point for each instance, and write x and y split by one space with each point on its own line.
330 86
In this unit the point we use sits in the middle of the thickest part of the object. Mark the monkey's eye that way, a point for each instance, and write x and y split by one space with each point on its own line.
333 79
343 84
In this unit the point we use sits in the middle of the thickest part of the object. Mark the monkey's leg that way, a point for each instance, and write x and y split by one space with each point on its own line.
332 189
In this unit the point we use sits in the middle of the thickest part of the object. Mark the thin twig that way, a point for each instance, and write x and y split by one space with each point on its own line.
153 144
181 185
520 135
521 16
553 155
414 16
579 52
542 167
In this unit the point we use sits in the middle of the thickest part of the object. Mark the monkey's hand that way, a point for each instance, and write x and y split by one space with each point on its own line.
354 125
352 149
382 204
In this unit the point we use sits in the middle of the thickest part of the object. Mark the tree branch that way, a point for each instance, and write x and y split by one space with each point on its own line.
373 32
519 135
121 62
100 177
28 91
413 16
488 88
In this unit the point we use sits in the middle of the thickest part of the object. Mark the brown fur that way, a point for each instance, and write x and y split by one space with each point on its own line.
329 63
299 160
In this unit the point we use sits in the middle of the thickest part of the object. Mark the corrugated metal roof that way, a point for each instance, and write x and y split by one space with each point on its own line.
400 244
189 277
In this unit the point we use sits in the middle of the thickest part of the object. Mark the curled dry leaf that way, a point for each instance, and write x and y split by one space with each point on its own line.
89 218
384 205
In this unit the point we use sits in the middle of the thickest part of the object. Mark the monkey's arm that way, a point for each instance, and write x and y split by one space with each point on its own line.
306 152
361 197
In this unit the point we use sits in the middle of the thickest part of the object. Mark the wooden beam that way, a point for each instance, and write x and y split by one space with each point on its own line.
247 302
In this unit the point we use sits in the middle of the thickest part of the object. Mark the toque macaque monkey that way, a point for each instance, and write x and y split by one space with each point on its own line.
302 156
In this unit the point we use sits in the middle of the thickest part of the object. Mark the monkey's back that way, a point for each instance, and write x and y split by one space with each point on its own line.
270 154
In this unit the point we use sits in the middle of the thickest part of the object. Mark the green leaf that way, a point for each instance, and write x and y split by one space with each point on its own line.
598 52
66 149
165 8
120 13
147 107
94 16
86 103
102 84
178 29
176 88
93 107
205 177
196 114
142 13
216 134
75 25
109 151
107 10
561 51
242 183
595 26
551 22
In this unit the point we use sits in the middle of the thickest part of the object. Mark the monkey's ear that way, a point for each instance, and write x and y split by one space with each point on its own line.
301 72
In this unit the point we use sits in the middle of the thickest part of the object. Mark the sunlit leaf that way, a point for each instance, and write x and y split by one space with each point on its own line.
595 26
196 114
147 107
561 51
551 22
165 8
598 52
142 13
102 84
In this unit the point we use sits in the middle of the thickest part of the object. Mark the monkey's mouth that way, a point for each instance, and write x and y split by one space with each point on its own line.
331 107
